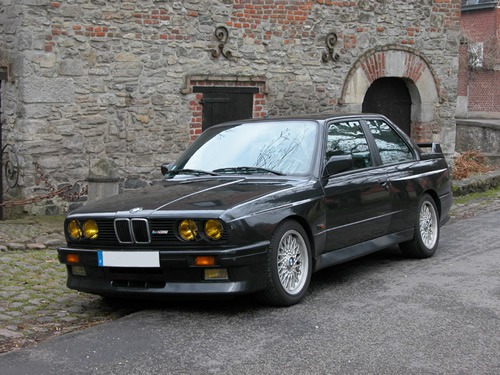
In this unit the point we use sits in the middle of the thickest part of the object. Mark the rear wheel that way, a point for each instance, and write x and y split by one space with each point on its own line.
426 239
289 266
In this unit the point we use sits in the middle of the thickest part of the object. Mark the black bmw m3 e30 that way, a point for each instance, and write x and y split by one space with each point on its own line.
257 206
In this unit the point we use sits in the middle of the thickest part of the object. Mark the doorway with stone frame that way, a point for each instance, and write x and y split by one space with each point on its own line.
403 66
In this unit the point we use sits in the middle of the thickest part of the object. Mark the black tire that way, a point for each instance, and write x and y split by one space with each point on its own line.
425 241
289 266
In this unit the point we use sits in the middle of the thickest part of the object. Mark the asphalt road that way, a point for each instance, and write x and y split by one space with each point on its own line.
382 314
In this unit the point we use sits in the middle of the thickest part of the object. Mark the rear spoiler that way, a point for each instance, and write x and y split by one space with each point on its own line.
435 147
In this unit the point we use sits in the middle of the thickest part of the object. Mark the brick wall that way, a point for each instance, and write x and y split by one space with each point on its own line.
481 85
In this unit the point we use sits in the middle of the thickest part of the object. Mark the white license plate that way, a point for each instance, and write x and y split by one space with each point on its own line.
148 259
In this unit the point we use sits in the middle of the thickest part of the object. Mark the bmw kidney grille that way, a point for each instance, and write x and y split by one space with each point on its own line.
132 231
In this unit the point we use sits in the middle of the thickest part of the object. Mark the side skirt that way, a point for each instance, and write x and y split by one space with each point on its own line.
355 251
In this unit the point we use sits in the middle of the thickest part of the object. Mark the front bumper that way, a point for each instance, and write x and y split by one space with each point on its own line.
177 274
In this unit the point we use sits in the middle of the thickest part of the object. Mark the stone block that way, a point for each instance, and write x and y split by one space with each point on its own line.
47 90
71 68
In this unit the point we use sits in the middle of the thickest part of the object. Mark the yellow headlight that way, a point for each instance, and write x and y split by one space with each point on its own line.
74 229
90 229
188 230
213 229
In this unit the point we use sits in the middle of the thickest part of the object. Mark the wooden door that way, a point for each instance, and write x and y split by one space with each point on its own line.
390 97
221 104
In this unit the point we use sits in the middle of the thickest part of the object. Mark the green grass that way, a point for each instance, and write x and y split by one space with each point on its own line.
48 296
492 193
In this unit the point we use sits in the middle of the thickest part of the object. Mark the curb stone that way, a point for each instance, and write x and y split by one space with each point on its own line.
477 184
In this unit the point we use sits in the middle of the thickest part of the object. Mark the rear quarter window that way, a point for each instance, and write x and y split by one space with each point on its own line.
391 147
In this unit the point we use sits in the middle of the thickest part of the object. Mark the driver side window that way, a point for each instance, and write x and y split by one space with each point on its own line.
347 138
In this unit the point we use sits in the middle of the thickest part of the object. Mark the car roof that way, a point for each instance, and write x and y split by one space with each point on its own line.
313 117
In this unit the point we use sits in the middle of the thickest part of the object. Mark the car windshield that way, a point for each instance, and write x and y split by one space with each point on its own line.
279 148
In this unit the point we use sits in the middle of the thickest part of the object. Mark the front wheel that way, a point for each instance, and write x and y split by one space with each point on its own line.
426 239
289 266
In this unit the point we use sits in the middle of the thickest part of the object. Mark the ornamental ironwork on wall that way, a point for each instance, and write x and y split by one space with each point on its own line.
330 41
222 35
10 165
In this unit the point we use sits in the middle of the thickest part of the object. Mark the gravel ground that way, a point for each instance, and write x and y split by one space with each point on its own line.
35 303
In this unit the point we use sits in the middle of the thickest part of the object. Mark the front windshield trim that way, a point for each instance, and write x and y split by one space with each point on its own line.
283 147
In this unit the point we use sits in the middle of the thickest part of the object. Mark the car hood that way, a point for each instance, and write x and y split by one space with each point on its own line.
199 194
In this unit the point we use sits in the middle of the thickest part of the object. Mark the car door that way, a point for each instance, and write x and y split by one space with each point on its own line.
357 201
400 164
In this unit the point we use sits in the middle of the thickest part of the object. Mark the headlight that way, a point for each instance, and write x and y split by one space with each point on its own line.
74 229
188 230
213 229
90 229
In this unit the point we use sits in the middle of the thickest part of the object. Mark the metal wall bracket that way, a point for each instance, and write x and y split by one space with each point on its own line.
330 41
10 163
222 35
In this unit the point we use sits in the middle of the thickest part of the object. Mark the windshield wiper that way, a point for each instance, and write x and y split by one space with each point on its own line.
248 170
191 171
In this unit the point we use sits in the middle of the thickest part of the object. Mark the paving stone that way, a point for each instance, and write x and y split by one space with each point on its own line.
45 319
21 264
40 329
10 334
35 301
5 317
54 243
16 246
69 319
35 246
14 313
7 294
75 309
13 288
34 268
21 297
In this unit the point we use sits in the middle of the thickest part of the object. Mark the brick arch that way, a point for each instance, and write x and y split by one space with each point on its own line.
390 61
407 64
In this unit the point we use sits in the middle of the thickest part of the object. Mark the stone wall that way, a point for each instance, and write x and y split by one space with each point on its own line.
479 135
111 81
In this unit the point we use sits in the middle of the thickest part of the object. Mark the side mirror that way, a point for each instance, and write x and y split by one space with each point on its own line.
165 168
338 163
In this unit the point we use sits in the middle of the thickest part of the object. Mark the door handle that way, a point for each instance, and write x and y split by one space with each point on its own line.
384 183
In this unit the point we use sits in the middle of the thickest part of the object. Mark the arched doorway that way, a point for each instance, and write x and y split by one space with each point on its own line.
413 70
390 97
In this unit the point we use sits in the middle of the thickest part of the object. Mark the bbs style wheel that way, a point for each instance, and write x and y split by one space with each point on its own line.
289 266
425 242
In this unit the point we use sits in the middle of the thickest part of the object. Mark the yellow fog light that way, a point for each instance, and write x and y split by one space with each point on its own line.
216 274
188 230
90 229
74 229
213 229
